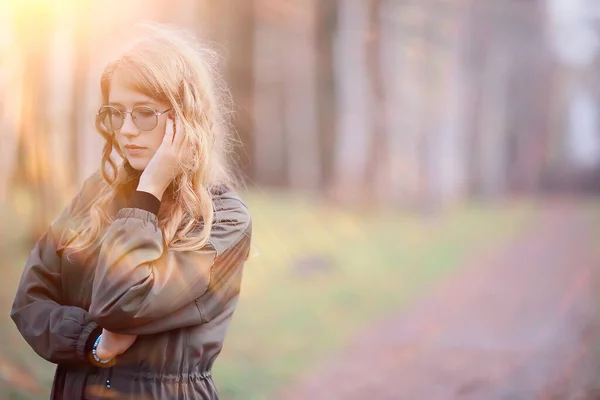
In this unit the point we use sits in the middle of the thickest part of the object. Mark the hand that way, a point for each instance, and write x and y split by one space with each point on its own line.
163 167
112 344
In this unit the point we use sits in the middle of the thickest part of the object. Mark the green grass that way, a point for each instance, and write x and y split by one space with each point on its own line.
287 322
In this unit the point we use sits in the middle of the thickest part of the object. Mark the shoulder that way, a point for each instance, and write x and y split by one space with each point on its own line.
232 219
70 219
94 180
91 185
228 205
89 190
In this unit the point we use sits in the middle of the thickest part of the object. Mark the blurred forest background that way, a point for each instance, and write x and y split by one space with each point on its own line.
357 118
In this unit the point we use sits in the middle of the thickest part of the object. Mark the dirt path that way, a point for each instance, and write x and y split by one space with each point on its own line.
517 324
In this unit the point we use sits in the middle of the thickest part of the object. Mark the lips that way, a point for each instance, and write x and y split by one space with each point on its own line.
134 147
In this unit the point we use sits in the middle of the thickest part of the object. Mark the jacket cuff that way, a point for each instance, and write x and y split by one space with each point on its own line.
144 201
86 339
144 215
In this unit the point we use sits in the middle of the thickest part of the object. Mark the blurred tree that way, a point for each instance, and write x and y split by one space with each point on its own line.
35 163
354 103
9 99
268 142
378 162
286 129
572 30
300 100
326 26
394 40
413 103
81 20
495 105
444 168
414 83
531 87
231 23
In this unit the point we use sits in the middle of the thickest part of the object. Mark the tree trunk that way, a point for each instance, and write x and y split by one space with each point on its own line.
35 169
479 35
353 102
231 24
268 146
397 69
325 101
378 163
81 116
413 88
492 153
64 105
10 100
447 152
299 82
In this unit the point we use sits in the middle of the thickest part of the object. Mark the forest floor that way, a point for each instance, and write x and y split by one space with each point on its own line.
517 323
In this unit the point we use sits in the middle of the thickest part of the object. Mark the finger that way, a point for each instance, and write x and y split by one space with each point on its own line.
179 137
168 138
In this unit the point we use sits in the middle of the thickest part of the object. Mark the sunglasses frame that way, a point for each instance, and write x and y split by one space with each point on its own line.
156 113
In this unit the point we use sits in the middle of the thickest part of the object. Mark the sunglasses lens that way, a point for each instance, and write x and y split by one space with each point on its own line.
144 118
111 118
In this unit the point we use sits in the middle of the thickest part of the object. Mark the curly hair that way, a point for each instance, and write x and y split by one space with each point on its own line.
170 65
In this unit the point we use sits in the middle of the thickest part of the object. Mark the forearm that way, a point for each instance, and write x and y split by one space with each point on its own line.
137 282
56 332
141 287
59 334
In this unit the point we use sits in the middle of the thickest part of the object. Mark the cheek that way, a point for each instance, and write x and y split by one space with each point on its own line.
157 136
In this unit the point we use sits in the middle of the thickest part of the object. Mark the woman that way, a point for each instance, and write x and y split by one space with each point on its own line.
133 286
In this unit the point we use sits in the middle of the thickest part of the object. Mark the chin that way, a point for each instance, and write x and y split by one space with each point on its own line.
138 165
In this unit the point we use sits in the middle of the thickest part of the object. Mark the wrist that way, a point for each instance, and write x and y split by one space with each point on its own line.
145 201
100 355
154 190
103 354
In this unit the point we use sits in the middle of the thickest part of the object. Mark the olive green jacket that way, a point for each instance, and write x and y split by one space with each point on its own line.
180 303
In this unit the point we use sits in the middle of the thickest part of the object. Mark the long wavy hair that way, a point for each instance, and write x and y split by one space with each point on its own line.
170 65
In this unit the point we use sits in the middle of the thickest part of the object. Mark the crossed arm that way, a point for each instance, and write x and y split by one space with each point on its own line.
140 287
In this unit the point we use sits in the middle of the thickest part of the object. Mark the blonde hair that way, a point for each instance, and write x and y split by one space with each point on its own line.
170 65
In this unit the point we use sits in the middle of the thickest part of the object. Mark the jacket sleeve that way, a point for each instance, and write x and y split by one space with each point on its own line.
142 287
58 333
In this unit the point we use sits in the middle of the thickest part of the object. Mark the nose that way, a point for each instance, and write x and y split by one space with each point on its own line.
129 128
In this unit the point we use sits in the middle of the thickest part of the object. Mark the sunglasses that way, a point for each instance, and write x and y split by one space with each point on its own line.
144 117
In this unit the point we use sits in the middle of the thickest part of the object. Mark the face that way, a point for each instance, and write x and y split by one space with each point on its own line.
137 145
